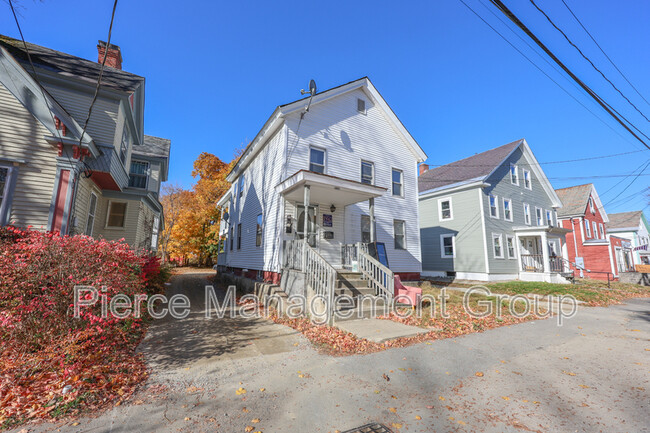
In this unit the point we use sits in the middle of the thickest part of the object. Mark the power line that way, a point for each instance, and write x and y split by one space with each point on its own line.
502 7
544 72
623 180
604 53
588 60
629 184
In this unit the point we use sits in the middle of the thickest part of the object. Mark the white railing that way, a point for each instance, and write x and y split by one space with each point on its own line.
379 276
293 254
320 276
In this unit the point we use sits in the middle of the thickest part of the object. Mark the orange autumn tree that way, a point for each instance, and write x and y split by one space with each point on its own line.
191 216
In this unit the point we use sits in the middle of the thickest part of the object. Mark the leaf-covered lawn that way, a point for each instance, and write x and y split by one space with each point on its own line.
592 292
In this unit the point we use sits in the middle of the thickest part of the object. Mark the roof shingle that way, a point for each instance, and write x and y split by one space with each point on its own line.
477 166
153 146
574 199
624 220
69 65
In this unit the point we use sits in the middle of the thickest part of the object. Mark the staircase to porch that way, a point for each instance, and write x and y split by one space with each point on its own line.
373 283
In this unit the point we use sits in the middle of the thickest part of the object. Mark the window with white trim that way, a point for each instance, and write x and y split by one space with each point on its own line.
539 216
232 237
602 231
549 218
528 184
507 209
361 106
258 231
316 160
124 145
365 229
591 205
448 246
494 208
240 187
92 208
397 178
367 172
399 228
510 247
444 209
497 245
595 225
588 228
116 216
514 174
527 213
154 233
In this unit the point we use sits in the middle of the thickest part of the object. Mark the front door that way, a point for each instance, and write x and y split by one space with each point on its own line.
308 229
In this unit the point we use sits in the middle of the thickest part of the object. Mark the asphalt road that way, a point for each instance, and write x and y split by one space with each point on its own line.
590 375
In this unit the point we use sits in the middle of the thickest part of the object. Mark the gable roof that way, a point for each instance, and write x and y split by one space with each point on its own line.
67 65
477 167
279 114
576 198
625 220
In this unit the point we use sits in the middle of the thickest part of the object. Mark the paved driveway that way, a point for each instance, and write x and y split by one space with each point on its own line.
592 374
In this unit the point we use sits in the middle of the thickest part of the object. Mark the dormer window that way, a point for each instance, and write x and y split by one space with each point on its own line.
361 106
138 174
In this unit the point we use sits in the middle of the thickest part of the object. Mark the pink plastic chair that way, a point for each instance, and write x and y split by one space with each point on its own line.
412 293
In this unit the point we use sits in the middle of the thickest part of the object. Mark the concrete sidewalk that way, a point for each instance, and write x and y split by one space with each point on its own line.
378 330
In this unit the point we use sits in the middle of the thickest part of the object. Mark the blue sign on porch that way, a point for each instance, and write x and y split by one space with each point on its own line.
327 220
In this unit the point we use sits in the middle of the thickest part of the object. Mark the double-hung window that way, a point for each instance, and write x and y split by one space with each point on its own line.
587 229
527 180
116 217
595 225
316 160
510 246
527 213
138 174
444 209
602 231
448 246
239 236
232 237
92 208
539 216
242 182
258 231
124 145
494 208
514 174
507 209
365 229
497 245
549 218
399 228
367 172
398 186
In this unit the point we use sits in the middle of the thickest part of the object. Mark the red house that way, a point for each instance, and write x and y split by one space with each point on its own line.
589 249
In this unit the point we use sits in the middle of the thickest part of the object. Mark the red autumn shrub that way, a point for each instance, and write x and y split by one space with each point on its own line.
44 347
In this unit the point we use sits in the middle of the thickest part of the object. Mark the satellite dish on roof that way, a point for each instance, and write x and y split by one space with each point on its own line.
312 88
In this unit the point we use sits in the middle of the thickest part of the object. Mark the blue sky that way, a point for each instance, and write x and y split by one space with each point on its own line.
216 70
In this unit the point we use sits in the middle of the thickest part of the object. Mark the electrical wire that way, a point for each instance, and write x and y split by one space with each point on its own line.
604 53
610 110
588 59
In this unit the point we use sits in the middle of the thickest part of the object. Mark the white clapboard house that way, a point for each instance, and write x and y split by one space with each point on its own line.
344 159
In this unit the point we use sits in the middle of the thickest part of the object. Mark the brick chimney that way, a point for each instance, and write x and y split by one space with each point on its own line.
114 57
423 168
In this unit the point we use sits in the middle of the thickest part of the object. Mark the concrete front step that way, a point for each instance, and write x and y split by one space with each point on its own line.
354 291
343 284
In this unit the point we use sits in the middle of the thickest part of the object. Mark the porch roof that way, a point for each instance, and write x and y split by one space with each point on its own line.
537 230
327 189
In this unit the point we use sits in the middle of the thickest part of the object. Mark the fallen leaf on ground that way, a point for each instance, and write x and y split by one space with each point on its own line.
240 391
396 425
479 374
393 409
568 373
418 417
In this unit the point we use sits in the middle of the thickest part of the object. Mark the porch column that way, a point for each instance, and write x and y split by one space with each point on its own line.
305 228
373 226
518 249
547 267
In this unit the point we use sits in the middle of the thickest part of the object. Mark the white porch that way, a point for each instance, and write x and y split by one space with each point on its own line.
325 199
539 254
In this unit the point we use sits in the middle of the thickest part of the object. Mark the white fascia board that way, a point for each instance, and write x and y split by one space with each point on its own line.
454 187
256 145
225 198
599 204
